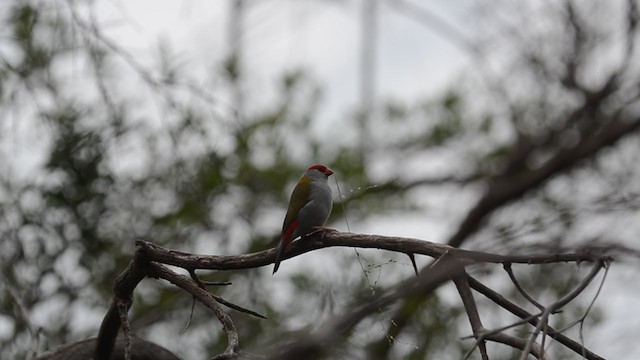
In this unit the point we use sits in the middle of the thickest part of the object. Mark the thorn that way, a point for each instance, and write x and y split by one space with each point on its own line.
413 262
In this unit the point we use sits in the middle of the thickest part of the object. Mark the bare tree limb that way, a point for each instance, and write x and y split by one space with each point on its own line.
504 190
462 284
543 320
138 269
532 319
149 260
209 301
518 343
123 295
328 239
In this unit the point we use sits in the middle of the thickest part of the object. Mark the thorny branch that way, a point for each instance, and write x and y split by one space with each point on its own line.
210 301
398 244
519 287
448 267
531 319
142 266
149 257
543 320
462 284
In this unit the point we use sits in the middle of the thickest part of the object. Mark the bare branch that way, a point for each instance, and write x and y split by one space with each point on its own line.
504 190
208 300
327 239
34 331
533 320
462 284
518 343
543 321
123 295
519 287
394 186
148 257
140 267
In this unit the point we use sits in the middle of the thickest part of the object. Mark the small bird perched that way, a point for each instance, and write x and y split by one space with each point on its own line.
309 207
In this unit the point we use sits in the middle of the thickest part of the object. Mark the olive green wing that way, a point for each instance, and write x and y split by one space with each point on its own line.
299 198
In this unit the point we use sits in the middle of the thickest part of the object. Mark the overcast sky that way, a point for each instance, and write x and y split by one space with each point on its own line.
322 37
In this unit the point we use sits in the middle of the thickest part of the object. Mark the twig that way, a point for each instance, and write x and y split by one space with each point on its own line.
194 277
543 321
231 352
503 189
584 316
34 331
533 320
588 310
152 81
237 307
521 290
222 301
506 327
216 283
462 284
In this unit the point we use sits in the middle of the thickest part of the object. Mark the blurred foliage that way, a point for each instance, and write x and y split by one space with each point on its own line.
199 180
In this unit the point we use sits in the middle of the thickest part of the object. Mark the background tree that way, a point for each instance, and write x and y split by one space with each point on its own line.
532 149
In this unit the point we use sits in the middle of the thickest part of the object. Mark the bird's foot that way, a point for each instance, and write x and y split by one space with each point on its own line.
317 229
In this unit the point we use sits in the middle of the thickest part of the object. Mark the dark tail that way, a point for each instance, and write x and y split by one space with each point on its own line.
413 262
279 256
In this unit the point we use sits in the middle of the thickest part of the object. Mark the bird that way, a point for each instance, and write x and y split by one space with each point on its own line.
309 208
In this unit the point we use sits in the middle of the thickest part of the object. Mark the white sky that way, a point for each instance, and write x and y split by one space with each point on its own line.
319 36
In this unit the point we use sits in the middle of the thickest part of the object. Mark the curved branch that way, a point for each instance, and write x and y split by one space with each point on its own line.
543 320
140 267
334 238
532 319
506 189
521 290
149 260
208 300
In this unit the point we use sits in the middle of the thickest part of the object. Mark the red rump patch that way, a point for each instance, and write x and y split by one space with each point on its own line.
288 234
